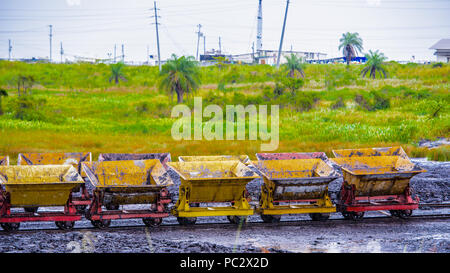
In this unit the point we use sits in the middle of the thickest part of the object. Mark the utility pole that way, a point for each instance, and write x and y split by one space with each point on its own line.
50 35
114 53
61 52
9 49
199 34
259 30
282 34
157 36
204 44
123 54
253 51
220 46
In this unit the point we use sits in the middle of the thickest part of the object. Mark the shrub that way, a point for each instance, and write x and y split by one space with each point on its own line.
338 104
374 101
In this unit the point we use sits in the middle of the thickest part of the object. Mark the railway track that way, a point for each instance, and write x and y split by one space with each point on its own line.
250 224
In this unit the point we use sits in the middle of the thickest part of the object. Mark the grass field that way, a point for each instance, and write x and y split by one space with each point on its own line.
76 108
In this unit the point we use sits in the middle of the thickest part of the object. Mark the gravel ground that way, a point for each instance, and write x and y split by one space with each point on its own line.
298 235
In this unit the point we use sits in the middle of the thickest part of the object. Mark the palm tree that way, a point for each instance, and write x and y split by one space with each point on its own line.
117 72
3 93
374 64
180 75
350 43
295 66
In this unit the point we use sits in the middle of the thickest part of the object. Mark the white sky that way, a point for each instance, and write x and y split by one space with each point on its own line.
399 28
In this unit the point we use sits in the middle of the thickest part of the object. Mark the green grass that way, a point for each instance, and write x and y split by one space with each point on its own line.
83 111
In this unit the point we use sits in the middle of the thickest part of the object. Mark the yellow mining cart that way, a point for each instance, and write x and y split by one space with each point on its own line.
242 158
127 182
163 157
376 183
294 186
34 186
383 151
205 182
4 160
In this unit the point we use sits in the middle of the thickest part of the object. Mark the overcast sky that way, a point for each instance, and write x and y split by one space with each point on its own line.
399 28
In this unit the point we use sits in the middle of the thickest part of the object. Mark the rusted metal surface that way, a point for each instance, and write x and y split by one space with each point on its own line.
383 151
284 156
212 181
4 160
128 181
243 158
47 185
73 159
163 157
127 173
377 175
296 179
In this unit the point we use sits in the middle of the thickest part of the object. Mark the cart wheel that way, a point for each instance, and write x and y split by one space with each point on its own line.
237 219
346 215
319 216
112 207
31 209
404 213
186 221
356 216
152 222
65 225
81 209
10 226
101 223
394 213
267 218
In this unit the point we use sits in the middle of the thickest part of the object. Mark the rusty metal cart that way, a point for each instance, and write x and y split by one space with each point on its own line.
82 198
294 186
376 183
206 182
38 186
126 182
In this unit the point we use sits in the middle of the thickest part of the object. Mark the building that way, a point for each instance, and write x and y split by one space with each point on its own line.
270 56
442 50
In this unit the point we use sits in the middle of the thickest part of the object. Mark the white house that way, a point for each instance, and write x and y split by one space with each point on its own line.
442 50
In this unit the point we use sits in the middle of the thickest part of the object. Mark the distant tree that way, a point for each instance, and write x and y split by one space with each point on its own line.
24 84
117 72
3 93
295 66
374 64
350 43
180 76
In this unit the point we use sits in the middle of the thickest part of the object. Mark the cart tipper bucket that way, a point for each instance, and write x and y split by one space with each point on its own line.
376 183
212 181
4 160
73 159
163 157
384 151
377 175
36 186
129 177
127 182
243 158
296 181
